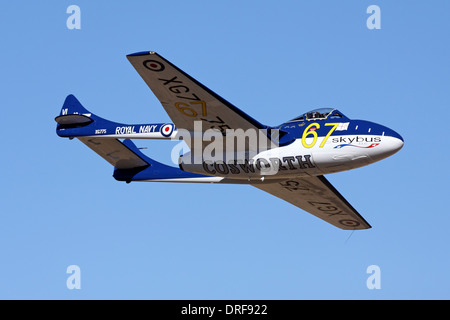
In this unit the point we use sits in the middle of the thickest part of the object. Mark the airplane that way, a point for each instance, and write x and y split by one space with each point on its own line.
228 146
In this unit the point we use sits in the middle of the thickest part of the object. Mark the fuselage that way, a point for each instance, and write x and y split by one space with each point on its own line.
308 146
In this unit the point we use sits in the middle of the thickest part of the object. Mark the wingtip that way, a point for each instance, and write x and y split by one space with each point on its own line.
141 53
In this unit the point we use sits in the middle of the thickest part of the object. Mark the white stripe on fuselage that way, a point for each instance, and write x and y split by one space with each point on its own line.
198 179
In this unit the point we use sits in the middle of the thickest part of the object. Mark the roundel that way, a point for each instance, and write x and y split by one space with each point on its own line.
153 65
166 130
349 223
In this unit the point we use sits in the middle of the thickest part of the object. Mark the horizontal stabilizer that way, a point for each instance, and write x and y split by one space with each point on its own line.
73 121
115 152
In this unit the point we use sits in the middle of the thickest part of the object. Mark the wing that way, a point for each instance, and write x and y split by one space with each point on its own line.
317 196
186 100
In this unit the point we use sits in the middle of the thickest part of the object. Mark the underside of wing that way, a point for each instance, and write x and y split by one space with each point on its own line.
317 196
185 99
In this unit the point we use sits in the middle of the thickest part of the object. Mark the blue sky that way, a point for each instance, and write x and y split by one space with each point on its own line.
60 205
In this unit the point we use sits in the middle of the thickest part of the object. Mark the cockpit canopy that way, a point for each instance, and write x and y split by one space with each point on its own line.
320 114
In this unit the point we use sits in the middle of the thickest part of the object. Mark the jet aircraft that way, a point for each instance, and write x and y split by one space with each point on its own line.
226 145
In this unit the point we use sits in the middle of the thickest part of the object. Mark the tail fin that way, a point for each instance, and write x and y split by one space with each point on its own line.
73 106
73 114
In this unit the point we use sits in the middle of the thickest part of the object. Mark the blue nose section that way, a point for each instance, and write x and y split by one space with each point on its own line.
391 133
367 127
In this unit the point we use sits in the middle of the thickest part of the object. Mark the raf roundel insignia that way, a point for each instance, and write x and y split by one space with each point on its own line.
166 130
153 65
349 223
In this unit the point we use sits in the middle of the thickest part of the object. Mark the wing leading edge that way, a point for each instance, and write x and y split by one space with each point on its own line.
317 196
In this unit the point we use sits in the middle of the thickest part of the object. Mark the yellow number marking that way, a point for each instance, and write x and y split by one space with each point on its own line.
307 132
186 109
329 133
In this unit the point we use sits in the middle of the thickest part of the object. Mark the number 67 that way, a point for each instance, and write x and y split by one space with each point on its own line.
308 132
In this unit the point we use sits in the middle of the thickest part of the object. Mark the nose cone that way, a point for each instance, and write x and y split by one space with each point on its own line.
391 143
395 144
395 141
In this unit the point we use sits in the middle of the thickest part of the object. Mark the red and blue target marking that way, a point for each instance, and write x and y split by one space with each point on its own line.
166 129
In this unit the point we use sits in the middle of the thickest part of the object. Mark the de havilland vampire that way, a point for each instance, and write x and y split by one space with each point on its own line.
226 145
